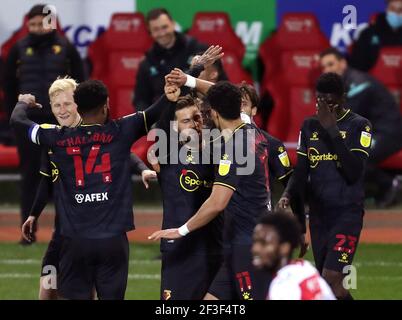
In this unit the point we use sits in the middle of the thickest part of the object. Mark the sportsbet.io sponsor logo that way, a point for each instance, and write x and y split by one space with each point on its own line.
190 181
91 197
315 157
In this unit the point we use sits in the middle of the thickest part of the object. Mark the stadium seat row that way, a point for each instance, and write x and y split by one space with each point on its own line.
290 58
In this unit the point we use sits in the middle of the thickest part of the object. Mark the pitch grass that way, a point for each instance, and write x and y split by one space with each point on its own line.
379 271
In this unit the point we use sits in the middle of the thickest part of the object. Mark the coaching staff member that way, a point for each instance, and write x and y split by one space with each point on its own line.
33 64
170 50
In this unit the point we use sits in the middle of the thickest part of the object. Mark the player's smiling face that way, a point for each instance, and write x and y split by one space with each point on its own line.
330 63
64 108
266 248
162 31
247 106
189 122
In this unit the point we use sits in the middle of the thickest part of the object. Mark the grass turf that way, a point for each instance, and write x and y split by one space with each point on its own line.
379 271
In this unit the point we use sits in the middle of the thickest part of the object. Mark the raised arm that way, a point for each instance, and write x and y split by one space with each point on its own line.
216 203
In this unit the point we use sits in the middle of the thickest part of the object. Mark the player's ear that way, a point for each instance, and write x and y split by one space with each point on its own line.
213 76
285 249
106 107
175 126
253 111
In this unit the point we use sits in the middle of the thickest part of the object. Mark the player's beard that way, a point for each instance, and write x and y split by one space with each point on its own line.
275 265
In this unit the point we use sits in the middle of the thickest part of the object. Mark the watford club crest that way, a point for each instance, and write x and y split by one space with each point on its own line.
246 296
344 258
314 136
189 158
224 165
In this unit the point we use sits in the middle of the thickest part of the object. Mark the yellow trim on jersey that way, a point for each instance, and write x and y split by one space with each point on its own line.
145 121
301 153
90 125
45 174
220 137
361 150
240 126
225 185
286 174
347 111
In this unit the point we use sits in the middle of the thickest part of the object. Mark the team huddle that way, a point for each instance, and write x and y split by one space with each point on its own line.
222 236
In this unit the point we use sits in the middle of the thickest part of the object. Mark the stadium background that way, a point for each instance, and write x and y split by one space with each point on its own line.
379 260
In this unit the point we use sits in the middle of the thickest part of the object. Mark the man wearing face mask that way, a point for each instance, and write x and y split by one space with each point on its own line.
33 64
385 31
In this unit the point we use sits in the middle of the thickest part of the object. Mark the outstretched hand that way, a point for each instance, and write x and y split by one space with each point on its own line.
165 234
212 54
30 100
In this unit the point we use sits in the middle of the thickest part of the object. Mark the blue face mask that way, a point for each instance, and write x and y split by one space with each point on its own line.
394 19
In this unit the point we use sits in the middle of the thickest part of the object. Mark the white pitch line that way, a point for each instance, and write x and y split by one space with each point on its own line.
156 261
141 276
36 261
131 276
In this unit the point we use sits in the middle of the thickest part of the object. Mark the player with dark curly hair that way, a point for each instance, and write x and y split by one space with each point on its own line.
333 149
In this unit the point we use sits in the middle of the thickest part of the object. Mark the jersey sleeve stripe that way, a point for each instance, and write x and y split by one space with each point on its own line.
301 153
44 174
225 185
285 175
33 133
361 150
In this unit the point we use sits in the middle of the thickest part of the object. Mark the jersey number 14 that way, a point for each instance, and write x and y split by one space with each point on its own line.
90 167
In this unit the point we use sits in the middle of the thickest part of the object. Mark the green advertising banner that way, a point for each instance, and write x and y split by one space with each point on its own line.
252 20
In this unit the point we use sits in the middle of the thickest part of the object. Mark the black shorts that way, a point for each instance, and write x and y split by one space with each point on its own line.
51 258
334 247
86 264
237 279
187 277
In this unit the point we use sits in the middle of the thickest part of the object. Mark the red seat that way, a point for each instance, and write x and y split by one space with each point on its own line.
8 157
393 162
297 31
128 31
234 69
116 56
388 68
214 28
294 96
121 81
